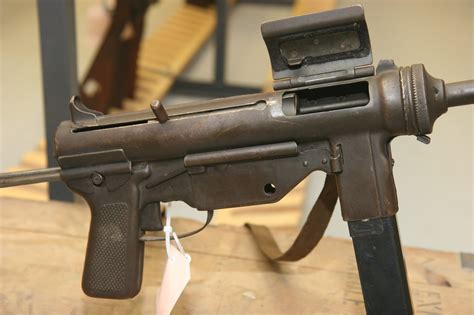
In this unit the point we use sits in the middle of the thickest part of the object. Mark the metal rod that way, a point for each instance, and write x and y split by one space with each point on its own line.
460 93
30 177
276 150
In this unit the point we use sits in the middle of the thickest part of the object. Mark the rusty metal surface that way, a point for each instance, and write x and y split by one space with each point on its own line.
398 102
459 93
250 149
30 177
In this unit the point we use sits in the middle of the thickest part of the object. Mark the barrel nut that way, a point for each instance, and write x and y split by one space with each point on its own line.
426 99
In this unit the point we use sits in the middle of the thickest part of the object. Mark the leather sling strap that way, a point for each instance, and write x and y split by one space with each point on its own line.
311 232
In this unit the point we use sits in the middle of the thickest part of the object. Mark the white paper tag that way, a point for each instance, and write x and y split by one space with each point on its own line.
175 278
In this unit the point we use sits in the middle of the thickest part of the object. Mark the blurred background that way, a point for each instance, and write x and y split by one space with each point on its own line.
178 44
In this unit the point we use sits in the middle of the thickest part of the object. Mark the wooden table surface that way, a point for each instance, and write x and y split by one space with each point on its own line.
42 254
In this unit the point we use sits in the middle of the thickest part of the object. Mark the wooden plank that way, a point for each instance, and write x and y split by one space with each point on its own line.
154 67
163 56
183 26
301 7
43 246
37 192
35 159
142 100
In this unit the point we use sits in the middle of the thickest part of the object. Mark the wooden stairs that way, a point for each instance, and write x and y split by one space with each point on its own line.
165 54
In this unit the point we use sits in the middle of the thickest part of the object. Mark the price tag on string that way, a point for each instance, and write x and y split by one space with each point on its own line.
175 278
177 272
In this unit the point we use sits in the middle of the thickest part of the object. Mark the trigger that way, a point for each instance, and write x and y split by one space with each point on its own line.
150 218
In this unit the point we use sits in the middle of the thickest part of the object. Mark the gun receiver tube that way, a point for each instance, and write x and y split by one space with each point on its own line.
460 93
29 177
261 119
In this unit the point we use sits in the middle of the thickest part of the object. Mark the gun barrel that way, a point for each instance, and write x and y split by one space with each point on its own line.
29 177
460 93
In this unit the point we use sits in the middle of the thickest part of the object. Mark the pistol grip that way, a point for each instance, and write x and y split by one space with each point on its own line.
366 186
114 258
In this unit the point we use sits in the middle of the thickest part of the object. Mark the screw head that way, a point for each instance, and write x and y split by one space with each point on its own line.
97 179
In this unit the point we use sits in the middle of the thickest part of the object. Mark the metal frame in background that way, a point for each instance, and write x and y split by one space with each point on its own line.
59 74
218 87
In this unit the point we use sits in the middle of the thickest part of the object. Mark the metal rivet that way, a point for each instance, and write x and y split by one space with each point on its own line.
305 163
97 179
324 161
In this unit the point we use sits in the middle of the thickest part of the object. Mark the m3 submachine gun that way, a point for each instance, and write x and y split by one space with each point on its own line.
331 111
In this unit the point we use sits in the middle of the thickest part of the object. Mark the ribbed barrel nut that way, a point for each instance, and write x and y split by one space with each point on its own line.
424 101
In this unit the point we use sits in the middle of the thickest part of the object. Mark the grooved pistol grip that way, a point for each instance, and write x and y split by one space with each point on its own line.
114 258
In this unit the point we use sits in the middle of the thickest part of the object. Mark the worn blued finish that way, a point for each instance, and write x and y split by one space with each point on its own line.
381 266
253 149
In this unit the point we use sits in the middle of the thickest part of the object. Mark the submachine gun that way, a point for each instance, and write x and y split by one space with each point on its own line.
331 111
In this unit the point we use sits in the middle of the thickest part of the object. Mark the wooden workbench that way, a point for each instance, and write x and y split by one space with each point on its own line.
43 246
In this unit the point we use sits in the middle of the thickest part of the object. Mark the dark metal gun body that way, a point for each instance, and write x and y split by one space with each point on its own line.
362 127
252 149
237 151
332 113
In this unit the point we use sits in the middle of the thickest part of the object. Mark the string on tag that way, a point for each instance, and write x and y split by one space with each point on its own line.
177 271
168 230
180 247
